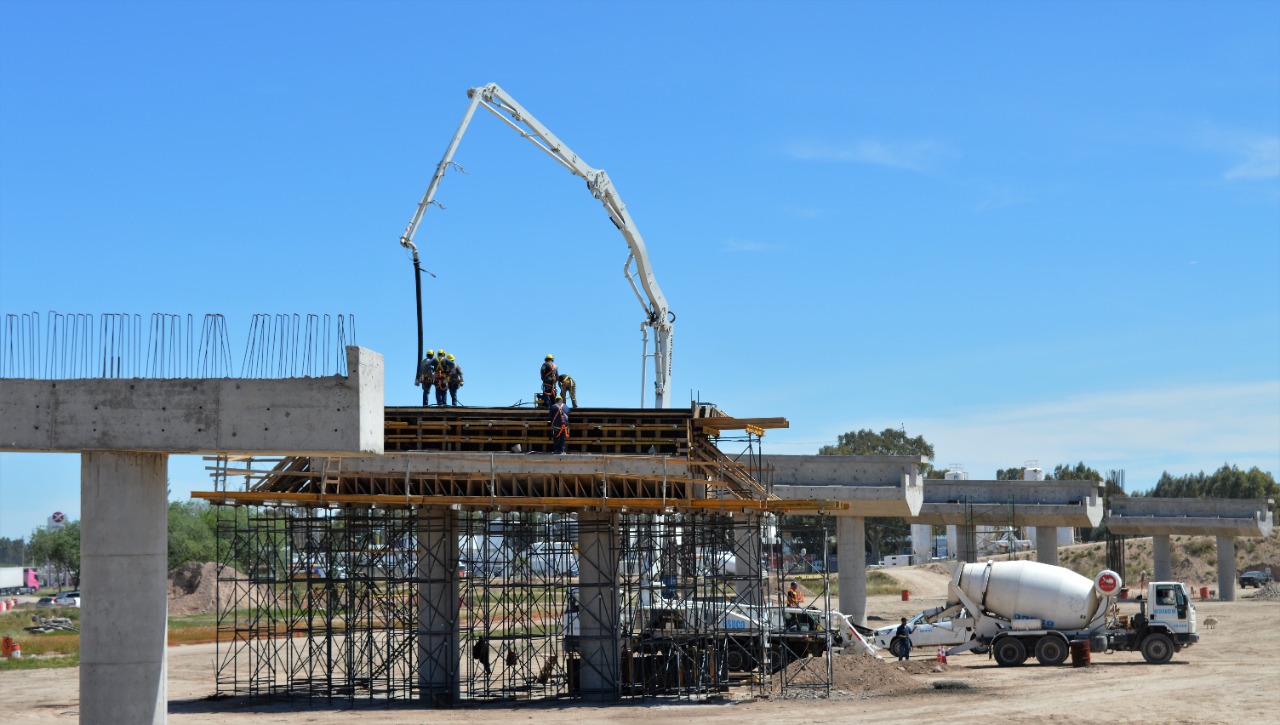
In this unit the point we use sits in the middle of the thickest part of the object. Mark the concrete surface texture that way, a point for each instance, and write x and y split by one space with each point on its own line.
297 416
1145 516
873 485
1028 503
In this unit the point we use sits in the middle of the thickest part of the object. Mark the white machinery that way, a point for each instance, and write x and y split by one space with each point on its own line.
657 315
1025 607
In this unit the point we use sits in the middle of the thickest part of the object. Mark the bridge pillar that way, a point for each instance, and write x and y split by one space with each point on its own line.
124 613
1047 545
1226 568
437 579
965 544
851 559
747 554
600 673
1161 553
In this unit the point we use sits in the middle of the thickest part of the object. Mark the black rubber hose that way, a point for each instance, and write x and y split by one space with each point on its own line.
417 287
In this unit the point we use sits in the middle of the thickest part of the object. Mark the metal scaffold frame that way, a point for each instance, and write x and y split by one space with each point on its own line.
445 606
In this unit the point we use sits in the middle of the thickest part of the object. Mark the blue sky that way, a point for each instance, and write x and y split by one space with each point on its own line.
1028 231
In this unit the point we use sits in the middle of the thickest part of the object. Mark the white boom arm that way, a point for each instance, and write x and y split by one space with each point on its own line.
657 315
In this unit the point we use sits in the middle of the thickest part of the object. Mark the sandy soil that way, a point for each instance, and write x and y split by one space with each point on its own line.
1232 676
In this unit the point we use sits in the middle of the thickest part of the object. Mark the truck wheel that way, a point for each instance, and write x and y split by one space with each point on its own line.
1010 652
980 649
895 647
737 659
1157 648
1051 651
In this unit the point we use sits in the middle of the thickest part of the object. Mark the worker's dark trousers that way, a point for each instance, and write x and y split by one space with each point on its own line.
453 393
440 396
560 441
426 396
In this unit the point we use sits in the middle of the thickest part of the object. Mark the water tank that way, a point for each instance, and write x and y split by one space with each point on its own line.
1033 474
1022 591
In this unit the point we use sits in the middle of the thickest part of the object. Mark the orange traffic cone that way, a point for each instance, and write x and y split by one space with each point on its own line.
16 651
942 654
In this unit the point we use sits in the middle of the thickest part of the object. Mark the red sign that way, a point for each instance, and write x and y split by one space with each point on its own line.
1107 583
59 517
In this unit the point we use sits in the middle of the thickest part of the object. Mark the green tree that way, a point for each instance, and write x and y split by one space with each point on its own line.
191 533
12 551
1013 473
884 533
60 547
1078 472
1226 482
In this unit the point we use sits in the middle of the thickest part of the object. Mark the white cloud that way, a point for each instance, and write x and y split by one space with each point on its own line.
1144 432
910 156
1261 159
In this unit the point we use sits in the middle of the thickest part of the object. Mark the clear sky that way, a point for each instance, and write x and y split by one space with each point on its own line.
1028 231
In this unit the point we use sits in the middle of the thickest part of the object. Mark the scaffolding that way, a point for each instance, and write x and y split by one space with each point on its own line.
443 606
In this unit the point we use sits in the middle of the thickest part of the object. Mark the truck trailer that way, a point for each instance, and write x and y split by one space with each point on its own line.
1024 608
18 580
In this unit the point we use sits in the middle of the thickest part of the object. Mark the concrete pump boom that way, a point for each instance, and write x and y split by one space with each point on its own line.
657 315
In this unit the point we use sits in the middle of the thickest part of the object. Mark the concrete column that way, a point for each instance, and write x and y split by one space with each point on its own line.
437 581
600 678
1047 545
747 552
1161 553
922 542
952 548
1226 568
851 560
124 613
965 544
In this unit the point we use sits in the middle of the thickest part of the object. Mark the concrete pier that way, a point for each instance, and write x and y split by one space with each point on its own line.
964 544
600 673
748 578
851 563
1047 545
438 637
1227 568
1162 556
124 556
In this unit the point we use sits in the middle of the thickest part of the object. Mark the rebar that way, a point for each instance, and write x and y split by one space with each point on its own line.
116 345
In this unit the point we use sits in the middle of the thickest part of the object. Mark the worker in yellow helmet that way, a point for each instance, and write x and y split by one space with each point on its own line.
441 378
549 373
426 376
454 371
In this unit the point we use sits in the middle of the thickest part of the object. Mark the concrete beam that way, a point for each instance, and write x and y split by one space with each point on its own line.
1024 503
874 485
297 416
1146 516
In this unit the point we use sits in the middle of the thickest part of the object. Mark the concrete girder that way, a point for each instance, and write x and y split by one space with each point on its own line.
1029 503
429 463
297 416
873 485
1145 516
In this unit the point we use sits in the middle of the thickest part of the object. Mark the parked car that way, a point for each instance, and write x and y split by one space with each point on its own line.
67 599
949 632
1254 579
45 602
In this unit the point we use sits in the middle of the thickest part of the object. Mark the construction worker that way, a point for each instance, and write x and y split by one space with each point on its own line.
795 597
549 373
568 388
441 378
455 378
559 424
426 376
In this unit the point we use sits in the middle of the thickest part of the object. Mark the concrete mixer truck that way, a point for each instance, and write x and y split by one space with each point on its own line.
1021 608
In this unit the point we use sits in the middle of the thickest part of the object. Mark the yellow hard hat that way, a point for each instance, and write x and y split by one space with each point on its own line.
559 398
440 354
550 356
450 357
430 353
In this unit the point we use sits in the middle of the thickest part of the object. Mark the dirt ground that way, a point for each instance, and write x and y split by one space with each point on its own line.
1231 677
